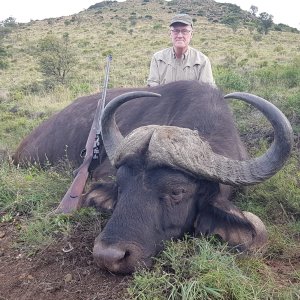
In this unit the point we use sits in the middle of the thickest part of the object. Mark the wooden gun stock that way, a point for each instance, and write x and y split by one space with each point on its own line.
71 200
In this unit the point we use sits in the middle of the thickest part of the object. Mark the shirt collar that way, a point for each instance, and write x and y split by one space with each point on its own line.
185 54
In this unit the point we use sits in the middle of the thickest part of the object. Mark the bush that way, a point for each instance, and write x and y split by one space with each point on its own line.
157 26
3 58
257 37
3 64
286 76
56 58
230 80
67 22
9 22
81 88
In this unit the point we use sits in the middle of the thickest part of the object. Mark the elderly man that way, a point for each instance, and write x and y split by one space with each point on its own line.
180 62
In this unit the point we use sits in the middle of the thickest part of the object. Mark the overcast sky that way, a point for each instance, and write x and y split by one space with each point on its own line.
287 11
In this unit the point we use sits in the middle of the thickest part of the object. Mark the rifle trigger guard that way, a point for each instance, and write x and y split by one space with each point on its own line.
83 153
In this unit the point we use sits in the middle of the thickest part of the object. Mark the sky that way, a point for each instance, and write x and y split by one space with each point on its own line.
23 11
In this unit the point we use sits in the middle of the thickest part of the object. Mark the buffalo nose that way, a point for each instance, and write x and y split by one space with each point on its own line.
116 258
107 255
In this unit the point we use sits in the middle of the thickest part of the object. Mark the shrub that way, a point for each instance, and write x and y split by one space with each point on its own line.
9 22
157 26
257 37
3 64
285 75
80 88
230 80
56 57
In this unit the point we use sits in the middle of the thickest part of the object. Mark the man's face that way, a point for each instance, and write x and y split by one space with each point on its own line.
181 35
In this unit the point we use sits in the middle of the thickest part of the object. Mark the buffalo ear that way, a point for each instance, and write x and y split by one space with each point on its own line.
239 230
101 196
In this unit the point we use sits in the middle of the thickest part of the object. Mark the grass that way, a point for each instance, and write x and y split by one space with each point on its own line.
278 196
202 269
242 61
44 229
30 191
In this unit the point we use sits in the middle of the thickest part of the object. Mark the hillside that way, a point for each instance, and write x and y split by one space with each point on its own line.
139 28
45 256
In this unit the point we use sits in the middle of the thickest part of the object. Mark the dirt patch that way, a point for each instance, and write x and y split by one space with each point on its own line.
61 271
285 270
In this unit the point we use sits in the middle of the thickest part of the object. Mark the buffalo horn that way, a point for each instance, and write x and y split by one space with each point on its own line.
261 168
111 135
184 149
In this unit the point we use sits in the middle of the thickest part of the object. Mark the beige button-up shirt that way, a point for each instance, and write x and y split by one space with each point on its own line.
165 67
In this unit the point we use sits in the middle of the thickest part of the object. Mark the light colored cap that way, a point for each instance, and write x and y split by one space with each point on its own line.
182 18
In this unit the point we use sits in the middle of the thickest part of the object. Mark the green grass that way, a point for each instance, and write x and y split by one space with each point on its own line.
202 269
30 191
278 199
29 196
43 229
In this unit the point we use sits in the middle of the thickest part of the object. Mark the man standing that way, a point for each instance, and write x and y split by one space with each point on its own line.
180 62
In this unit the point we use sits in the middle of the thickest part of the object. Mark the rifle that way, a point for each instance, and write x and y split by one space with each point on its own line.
71 200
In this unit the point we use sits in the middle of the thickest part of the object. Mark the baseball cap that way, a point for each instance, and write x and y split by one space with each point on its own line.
182 18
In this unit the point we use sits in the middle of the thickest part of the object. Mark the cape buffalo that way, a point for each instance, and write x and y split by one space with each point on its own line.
173 171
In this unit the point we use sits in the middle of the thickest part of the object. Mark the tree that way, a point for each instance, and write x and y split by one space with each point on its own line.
266 22
9 22
56 57
7 26
253 10
232 21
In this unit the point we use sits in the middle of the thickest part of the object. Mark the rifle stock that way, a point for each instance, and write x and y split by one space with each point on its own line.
72 199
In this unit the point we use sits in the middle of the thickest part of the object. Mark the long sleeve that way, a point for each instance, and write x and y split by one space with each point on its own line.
205 74
153 78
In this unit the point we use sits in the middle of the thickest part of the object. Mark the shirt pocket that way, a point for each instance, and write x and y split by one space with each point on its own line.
191 73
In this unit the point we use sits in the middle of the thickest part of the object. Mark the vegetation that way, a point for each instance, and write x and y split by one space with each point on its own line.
3 58
56 58
266 22
264 64
199 269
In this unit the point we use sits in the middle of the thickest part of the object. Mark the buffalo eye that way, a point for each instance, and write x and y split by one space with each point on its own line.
177 194
173 196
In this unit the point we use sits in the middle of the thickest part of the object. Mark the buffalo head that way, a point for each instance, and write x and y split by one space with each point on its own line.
169 182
